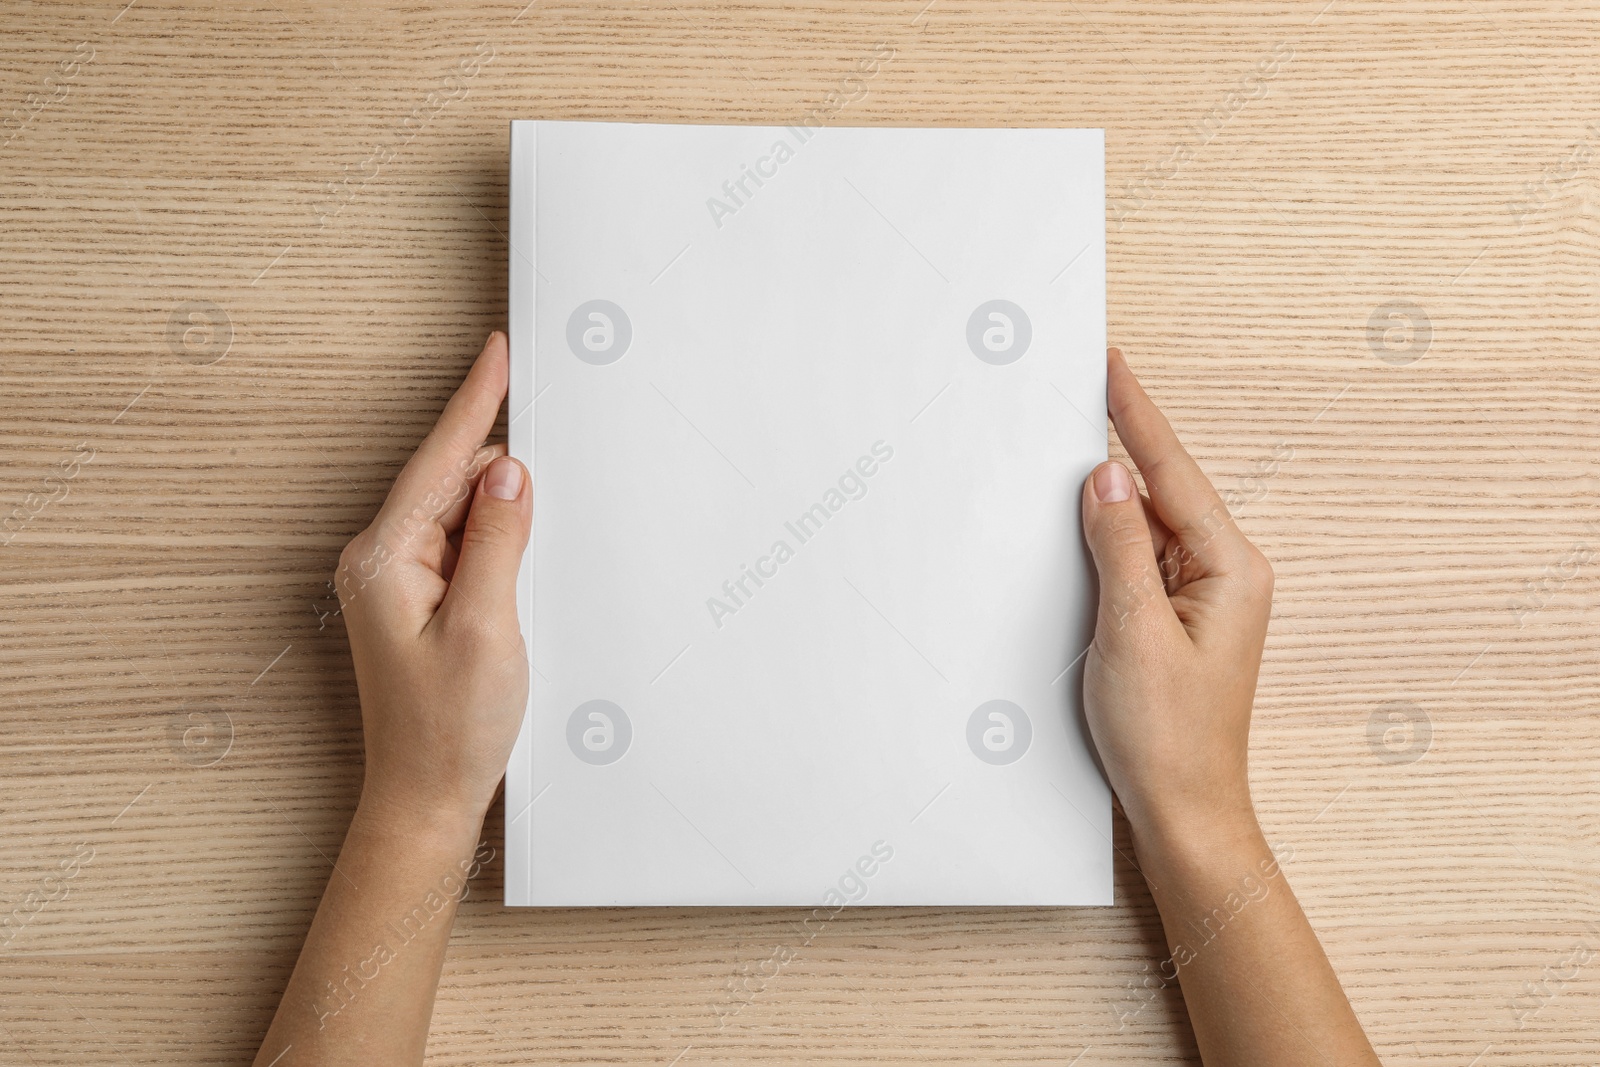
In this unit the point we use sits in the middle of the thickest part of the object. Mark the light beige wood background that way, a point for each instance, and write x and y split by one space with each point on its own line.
1427 518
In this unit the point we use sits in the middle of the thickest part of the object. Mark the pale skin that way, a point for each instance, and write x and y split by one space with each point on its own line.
1168 687
428 600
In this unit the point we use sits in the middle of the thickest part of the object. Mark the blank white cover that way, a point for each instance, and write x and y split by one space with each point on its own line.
776 332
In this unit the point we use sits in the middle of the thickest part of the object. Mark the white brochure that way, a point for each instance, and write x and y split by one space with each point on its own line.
808 412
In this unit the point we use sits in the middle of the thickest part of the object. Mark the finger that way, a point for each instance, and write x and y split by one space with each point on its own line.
1181 494
1160 536
483 587
1119 540
447 560
1170 555
440 474
435 544
456 513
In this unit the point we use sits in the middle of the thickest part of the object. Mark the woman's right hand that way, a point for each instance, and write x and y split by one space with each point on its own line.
1184 602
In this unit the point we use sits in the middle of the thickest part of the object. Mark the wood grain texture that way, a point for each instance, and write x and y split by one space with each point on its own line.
1423 513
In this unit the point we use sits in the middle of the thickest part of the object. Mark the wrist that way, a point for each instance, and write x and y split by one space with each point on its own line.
419 827
1197 836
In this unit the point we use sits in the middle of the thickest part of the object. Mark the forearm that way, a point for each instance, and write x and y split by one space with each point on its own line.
363 989
1258 987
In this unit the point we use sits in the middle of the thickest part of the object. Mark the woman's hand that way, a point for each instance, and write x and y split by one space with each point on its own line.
429 599
1184 602
1171 676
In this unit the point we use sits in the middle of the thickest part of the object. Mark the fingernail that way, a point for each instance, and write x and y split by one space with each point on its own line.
503 480
1112 484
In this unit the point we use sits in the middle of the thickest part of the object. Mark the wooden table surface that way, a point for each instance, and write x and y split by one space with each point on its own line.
249 249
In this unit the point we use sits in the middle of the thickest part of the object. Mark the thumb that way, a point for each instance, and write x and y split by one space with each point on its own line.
1119 539
484 585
